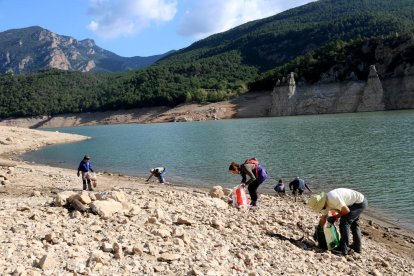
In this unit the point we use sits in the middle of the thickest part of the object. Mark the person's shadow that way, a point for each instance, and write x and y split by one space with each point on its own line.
303 243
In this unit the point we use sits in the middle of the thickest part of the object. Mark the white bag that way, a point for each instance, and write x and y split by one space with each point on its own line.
240 197
91 176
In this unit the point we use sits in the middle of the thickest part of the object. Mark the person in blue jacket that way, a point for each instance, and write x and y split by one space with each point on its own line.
85 167
298 186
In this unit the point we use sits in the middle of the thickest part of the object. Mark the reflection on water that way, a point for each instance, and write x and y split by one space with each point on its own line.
370 152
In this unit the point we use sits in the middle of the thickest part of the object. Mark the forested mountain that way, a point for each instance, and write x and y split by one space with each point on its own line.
275 40
340 61
34 48
307 40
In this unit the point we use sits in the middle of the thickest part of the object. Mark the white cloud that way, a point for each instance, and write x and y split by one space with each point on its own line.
212 16
114 18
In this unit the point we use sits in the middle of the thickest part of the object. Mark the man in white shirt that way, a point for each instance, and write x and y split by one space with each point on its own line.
349 205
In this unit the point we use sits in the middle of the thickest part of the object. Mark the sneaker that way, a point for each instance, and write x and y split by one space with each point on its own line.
338 252
253 207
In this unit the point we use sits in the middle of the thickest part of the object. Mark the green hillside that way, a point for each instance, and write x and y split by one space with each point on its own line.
273 41
221 66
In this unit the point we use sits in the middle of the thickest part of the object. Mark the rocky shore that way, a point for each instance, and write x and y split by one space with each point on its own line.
130 227
250 105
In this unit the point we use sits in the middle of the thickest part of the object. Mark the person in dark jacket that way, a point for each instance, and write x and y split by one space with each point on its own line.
85 167
298 185
280 187
252 184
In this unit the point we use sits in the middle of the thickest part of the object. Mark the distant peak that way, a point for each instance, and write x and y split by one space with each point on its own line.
88 42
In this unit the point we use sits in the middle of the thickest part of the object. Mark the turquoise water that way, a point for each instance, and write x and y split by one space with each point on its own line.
369 152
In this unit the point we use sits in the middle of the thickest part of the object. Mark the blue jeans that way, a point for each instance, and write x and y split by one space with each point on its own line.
351 221
161 176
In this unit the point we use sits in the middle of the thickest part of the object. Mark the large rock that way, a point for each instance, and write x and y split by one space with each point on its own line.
105 208
115 195
216 191
214 202
62 198
47 262
83 197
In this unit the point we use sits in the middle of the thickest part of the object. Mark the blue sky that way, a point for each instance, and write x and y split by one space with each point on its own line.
138 27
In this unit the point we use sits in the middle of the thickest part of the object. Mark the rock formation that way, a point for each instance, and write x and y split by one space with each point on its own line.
334 97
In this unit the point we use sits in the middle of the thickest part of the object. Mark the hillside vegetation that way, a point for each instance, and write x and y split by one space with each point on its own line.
307 40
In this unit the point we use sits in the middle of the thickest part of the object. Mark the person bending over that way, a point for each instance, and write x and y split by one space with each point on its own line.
349 205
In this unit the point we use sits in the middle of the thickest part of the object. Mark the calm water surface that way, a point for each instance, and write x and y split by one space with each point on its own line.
369 152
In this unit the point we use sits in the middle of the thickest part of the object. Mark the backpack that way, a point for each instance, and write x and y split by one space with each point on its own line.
261 173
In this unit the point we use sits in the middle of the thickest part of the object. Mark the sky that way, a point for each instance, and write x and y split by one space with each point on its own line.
138 27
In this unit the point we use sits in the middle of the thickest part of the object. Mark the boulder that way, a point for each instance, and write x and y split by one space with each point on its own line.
216 191
115 195
84 197
105 208
77 205
47 262
62 198
214 202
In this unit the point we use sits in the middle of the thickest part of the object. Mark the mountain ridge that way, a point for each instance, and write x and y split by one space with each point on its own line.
34 48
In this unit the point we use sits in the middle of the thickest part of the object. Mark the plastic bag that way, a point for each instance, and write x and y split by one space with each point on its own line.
91 176
331 236
240 197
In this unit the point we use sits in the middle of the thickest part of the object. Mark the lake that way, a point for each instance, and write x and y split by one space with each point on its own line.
369 152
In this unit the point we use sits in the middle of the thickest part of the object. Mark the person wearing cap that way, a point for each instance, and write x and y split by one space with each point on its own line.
298 186
159 172
85 167
349 205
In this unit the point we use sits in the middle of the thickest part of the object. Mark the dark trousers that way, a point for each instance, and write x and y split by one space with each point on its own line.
86 180
351 221
89 184
253 192
297 191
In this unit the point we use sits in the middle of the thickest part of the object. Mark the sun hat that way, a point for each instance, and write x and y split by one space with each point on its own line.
317 202
86 157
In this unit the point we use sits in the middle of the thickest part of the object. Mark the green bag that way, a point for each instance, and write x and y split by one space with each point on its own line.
332 236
